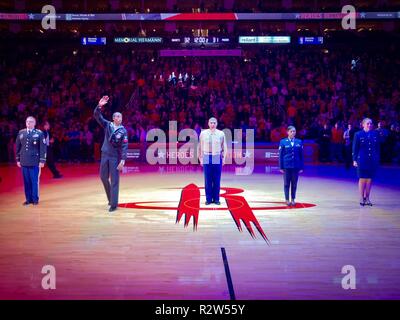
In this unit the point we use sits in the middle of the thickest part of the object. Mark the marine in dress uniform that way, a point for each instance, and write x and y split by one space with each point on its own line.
366 157
291 163
31 156
113 153
213 150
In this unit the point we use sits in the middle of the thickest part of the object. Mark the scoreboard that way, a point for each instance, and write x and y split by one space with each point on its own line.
212 41
200 40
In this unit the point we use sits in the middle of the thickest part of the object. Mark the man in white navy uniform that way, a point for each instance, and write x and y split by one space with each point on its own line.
212 155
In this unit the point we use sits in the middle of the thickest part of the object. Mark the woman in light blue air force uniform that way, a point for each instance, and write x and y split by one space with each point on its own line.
291 163
366 155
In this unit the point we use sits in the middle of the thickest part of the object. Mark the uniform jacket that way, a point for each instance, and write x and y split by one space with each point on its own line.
366 148
291 157
31 148
115 142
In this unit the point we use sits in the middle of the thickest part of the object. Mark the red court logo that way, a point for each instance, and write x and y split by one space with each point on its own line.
189 205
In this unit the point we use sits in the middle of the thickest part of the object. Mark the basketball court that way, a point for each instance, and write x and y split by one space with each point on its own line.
141 252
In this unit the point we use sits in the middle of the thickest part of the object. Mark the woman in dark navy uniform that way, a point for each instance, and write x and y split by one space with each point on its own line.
366 150
291 163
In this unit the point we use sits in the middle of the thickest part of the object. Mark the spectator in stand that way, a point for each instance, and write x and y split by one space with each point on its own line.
383 134
87 144
337 143
276 135
50 160
396 151
292 112
325 144
348 137
301 87
391 141
74 138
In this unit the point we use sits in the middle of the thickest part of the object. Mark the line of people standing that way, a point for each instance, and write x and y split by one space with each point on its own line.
335 144
33 147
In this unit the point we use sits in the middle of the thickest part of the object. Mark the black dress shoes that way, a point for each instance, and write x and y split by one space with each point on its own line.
26 203
112 209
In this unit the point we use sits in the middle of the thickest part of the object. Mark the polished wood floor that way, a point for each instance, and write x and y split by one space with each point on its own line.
143 254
